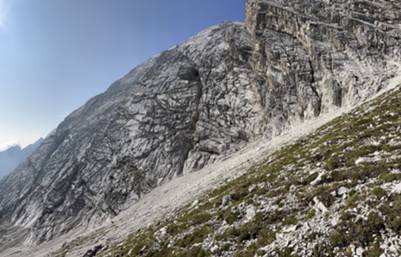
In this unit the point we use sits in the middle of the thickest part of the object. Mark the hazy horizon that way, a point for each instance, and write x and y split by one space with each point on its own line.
58 54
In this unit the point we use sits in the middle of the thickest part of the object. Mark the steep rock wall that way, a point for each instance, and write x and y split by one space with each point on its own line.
313 56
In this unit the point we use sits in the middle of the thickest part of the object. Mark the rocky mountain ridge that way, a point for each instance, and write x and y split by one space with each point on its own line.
191 105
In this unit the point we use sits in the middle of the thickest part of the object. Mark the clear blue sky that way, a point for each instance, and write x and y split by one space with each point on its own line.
56 54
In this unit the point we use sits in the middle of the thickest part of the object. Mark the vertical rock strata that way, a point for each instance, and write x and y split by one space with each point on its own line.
316 55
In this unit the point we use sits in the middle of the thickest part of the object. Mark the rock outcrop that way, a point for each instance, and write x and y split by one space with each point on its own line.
197 102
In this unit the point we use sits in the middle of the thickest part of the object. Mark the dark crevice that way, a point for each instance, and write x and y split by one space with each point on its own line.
314 90
194 121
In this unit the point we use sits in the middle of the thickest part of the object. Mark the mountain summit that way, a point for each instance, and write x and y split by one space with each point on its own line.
195 104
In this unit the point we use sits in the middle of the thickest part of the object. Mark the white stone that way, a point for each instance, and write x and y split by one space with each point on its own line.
250 213
396 189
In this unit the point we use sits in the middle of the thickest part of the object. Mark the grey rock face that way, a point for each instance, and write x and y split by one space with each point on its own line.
194 103
316 55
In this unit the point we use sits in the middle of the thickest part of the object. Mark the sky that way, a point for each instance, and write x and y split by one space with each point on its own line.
57 54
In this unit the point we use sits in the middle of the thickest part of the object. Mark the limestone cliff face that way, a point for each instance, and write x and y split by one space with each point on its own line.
312 56
195 103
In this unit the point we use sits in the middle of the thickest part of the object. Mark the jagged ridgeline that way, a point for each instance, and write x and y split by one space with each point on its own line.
195 103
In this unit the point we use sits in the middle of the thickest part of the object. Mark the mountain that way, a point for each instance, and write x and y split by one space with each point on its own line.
13 156
336 192
198 103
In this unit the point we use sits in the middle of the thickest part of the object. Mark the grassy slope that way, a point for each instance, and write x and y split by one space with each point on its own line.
329 194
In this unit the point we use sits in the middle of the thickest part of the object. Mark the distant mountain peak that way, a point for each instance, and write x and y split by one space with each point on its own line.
7 146
14 154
